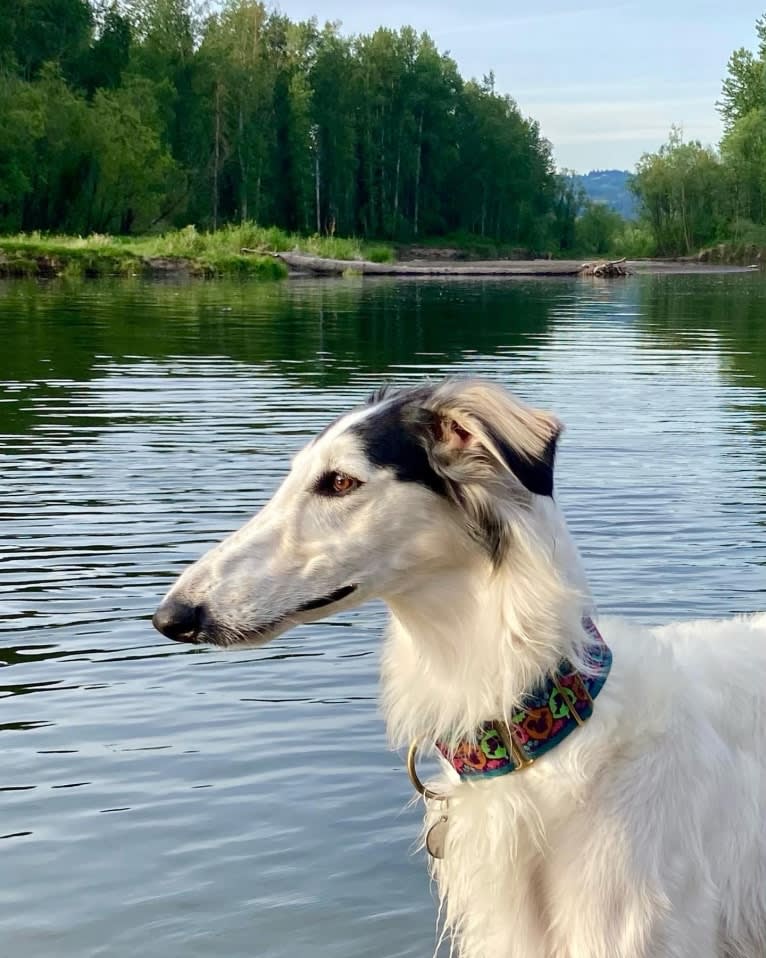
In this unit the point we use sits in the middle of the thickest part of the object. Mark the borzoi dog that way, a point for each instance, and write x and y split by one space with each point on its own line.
600 797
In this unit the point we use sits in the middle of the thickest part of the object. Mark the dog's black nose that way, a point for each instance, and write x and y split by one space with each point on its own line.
178 620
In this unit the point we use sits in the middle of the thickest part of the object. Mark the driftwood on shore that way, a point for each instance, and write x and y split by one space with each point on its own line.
321 266
615 267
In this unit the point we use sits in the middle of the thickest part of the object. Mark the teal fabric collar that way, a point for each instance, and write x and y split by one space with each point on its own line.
549 714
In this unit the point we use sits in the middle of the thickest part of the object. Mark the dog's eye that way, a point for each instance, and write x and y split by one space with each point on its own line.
336 484
341 483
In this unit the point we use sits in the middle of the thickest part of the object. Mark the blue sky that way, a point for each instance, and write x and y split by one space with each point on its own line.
606 81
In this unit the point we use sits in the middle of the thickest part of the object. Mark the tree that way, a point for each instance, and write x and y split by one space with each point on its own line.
240 80
682 194
335 83
569 199
22 128
744 154
132 172
597 228
744 88
61 158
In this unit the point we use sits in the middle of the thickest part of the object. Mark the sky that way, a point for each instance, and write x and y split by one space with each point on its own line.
605 81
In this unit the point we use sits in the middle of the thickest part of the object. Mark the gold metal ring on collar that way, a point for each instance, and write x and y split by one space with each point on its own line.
415 778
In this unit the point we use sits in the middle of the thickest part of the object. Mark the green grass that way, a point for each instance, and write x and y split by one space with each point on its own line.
215 253
379 254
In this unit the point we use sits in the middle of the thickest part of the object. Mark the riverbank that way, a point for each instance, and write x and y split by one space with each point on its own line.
262 253
175 253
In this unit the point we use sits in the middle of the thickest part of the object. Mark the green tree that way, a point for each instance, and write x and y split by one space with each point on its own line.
744 87
335 83
597 228
132 174
505 167
61 158
434 158
569 199
23 124
744 154
681 189
292 45
238 104
165 52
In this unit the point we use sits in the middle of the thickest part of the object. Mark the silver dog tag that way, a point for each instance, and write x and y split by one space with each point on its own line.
436 837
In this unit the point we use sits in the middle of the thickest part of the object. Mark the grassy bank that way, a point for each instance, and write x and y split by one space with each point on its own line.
184 251
208 254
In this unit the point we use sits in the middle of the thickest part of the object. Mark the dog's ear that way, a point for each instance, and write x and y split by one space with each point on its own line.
487 446
529 458
480 425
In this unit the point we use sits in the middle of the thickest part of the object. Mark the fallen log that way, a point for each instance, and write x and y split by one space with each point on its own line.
321 266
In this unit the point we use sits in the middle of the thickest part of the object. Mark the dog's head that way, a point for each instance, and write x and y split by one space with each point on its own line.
408 486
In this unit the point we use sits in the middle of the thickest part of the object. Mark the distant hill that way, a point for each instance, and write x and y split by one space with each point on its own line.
610 187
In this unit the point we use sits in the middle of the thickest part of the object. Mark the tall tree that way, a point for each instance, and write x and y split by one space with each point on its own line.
334 80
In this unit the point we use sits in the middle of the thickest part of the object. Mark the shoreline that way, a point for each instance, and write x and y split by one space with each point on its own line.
102 257
30 262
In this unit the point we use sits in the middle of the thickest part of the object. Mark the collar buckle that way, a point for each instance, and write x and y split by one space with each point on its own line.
520 758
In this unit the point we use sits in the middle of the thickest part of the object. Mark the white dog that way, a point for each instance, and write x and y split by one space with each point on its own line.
584 812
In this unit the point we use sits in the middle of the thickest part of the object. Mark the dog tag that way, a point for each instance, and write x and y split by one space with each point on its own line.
436 837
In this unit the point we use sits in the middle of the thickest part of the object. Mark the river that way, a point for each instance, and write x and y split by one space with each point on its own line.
160 800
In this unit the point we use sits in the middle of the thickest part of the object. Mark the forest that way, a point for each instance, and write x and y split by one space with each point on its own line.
141 115
137 117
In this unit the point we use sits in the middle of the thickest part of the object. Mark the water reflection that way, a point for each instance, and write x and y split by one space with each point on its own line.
319 332
729 308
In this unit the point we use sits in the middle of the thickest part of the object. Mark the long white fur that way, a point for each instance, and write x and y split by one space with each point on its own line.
642 835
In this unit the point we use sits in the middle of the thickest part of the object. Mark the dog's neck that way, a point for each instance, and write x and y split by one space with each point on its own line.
469 639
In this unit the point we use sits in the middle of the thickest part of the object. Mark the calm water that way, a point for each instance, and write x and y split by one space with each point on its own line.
158 800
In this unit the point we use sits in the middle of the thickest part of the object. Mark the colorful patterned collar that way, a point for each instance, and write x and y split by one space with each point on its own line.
551 712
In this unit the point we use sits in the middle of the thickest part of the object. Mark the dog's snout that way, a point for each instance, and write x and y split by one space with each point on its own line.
178 620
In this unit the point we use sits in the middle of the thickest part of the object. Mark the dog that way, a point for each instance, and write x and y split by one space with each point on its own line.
604 785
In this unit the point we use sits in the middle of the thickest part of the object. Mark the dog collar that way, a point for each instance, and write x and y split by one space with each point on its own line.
549 713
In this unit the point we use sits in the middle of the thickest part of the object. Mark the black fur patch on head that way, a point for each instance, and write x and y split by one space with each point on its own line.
403 433
534 474
389 441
